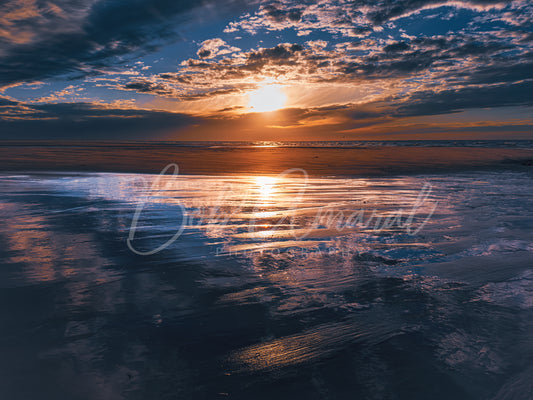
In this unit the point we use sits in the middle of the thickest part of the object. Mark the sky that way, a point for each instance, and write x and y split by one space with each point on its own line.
266 70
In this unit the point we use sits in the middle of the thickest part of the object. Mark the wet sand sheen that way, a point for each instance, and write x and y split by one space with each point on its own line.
229 311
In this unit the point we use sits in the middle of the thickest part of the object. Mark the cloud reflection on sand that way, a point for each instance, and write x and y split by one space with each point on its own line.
241 295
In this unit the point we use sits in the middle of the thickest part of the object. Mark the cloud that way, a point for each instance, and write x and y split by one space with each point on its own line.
6 101
215 47
449 101
86 121
347 17
363 65
146 86
44 39
418 63
396 47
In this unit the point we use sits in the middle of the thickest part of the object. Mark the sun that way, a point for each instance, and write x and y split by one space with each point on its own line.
267 98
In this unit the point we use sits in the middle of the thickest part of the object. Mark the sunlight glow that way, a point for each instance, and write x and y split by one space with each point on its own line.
267 98
265 185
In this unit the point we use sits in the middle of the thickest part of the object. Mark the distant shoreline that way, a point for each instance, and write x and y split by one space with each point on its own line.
485 143
325 161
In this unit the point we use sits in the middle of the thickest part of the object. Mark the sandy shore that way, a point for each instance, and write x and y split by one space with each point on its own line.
445 313
260 160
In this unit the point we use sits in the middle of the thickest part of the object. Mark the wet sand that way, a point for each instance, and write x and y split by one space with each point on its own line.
237 285
445 313
152 158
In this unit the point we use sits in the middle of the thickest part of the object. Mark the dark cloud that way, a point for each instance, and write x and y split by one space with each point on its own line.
499 71
177 78
449 101
4 101
204 53
396 47
385 10
341 16
279 55
89 121
167 89
280 14
81 36
145 86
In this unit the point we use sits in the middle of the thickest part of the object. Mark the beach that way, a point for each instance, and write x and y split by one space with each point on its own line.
266 200
375 273
213 158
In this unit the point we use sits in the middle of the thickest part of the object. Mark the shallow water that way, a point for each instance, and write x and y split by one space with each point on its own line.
284 287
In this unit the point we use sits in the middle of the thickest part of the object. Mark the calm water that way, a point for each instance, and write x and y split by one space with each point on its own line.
416 287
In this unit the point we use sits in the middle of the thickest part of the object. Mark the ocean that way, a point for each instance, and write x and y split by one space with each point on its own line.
295 283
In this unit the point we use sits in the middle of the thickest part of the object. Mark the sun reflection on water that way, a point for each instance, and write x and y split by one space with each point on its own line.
287 210
266 185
